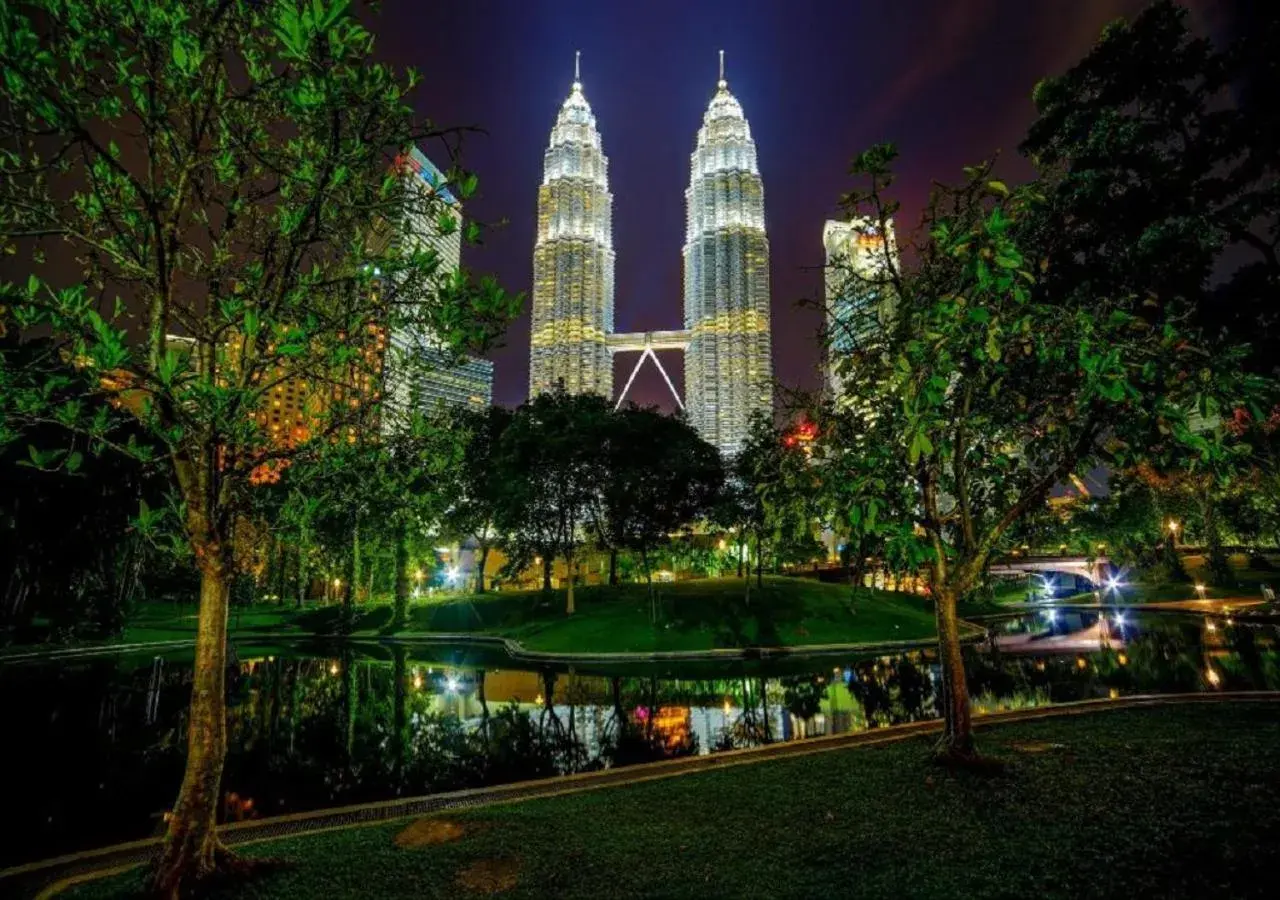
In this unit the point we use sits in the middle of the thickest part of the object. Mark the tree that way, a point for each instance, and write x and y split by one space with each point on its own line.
71 549
480 483
660 478
1047 330
218 169
993 384
553 443
781 484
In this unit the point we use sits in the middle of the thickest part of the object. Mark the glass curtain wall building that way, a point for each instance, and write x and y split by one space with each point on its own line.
728 366
573 259
856 287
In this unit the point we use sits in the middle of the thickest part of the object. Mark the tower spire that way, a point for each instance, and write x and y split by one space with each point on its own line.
723 83
577 68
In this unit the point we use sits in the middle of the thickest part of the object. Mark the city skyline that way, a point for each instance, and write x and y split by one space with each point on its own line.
821 83
725 336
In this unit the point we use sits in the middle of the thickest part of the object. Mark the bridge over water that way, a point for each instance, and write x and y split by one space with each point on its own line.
1094 568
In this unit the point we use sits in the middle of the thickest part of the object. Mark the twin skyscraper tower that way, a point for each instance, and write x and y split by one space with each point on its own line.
725 339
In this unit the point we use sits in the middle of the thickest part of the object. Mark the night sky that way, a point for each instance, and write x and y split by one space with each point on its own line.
949 81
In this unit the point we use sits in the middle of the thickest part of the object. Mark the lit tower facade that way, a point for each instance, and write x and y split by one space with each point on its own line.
728 367
856 281
573 258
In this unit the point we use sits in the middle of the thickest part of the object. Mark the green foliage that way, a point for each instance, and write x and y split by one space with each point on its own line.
661 479
238 188
776 495
1040 333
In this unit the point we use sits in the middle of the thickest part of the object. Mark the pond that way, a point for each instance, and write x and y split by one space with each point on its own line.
93 749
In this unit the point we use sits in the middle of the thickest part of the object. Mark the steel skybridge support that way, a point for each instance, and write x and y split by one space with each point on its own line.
646 342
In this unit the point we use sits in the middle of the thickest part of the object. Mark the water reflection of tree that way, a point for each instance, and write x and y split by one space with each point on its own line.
307 732
893 690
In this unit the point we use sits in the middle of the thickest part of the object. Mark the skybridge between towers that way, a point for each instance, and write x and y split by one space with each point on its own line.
646 343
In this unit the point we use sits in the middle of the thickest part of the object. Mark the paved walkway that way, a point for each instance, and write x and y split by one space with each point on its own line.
47 878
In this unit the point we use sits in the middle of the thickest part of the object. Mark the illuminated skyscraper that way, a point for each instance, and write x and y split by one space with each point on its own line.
858 295
573 258
728 368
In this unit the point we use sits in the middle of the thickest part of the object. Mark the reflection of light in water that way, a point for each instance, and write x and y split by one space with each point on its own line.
1122 659
1209 626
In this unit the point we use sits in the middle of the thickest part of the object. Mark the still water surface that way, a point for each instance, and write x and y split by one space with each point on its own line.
93 750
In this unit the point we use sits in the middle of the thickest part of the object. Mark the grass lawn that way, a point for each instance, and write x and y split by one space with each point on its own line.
1175 802
692 615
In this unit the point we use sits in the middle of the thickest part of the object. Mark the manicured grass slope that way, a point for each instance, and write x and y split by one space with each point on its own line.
1175 802
692 615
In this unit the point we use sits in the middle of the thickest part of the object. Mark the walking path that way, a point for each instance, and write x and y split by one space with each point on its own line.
46 878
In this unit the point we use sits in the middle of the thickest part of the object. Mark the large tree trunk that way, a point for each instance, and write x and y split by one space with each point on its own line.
402 577
569 573
282 559
1216 555
648 579
957 734
546 573
191 850
303 575
613 566
759 560
742 552
484 561
353 577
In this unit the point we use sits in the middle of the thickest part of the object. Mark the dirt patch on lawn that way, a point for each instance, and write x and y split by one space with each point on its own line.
428 832
489 876
1036 746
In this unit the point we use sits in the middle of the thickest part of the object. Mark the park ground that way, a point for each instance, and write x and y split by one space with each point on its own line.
1176 801
691 616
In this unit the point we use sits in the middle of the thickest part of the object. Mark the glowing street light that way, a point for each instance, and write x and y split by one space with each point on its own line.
1200 589
1211 675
